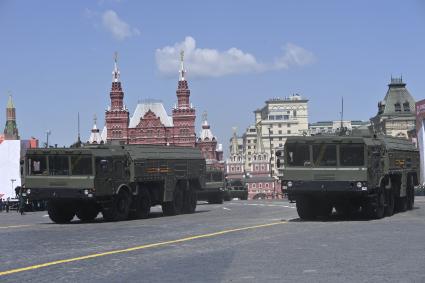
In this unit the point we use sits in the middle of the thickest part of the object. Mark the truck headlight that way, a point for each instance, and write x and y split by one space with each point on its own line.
86 192
28 191
289 184
359 185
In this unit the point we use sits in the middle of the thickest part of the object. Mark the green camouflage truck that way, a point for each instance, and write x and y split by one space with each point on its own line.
236 188
121 181
353 174
213 191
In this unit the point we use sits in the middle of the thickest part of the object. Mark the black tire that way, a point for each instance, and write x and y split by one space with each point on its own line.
216 200
401 204
376 206
61 211
305 208
227 196
190 201
389 202
324 209
120 207
142 206
175 206
87 212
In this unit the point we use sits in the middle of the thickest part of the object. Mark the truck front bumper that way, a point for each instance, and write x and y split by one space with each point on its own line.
294 188
59 193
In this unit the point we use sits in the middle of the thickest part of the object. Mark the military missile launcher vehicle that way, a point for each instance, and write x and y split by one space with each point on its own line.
121 181
374 175
213 191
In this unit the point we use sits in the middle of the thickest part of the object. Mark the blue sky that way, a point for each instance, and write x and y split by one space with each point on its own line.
57 58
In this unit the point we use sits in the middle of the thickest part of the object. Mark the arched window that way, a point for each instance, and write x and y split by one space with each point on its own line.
406 106
397 107
253 185
260 185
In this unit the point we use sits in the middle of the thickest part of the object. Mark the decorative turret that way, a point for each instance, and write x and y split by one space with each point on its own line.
184 114
117 115
116 94
11 129
183 91
207 143
95 136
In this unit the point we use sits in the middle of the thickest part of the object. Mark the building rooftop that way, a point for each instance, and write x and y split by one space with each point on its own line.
156 107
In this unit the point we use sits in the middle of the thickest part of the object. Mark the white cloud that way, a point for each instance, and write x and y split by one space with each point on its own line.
293 55
204 62
119 29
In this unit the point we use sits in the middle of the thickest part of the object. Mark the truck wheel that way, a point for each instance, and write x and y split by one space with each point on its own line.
175 206
216 200
61 211
305 208
120 207
190 201
142 206
324 209
376 206
87 212
401 204
389 199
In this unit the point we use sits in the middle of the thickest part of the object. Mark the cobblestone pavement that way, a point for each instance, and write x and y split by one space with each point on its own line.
239 241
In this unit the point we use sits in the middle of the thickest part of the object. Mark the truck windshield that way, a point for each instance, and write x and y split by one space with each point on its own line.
324 155
297 154
81 165
351 154
215 177
58 165
37 165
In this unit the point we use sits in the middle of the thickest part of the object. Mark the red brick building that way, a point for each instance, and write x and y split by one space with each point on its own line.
150 124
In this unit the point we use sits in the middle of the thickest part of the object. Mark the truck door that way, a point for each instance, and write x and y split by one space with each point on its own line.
119 174
103 180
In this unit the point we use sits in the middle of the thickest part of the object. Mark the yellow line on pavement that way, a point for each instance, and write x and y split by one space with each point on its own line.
153 245
16 226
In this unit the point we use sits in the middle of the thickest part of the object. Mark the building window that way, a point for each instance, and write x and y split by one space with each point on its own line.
289 132
280 139
267 185
289 125
397 107
295 113
253 185
406 107
280 132
260 186
280 125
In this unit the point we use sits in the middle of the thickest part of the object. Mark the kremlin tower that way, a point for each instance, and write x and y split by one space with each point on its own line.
11 129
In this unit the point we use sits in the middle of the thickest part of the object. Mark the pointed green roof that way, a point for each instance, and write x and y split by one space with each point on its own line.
10 102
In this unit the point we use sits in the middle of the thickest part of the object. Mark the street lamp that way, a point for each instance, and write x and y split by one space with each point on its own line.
48 132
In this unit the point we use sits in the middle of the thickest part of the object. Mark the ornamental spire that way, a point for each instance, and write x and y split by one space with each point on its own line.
116 72
10 102
182 70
